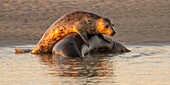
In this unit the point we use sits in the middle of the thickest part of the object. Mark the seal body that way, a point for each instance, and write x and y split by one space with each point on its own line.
82 23
73 46
68 48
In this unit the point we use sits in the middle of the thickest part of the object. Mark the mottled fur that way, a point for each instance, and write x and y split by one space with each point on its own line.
79 22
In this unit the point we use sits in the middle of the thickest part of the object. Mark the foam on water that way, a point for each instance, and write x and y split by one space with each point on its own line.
145 65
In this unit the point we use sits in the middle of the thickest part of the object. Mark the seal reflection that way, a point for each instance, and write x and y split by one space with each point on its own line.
101 68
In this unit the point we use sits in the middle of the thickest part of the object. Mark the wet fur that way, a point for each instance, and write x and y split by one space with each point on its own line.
83 22
73 46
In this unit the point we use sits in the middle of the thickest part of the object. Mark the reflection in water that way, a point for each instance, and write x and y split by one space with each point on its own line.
89 70
145 65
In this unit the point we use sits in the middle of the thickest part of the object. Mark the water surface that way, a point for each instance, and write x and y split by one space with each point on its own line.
145 65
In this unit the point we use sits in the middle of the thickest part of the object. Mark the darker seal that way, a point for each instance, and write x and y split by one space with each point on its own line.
73 46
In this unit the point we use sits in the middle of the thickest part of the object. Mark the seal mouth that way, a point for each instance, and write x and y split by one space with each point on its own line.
110 34
113 33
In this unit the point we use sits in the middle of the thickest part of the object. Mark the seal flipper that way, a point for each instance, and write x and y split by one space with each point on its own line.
105 38
84 36
17 50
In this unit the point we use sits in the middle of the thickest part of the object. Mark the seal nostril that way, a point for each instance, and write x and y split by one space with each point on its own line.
114 32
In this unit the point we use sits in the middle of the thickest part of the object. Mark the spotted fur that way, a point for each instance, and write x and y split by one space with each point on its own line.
79 22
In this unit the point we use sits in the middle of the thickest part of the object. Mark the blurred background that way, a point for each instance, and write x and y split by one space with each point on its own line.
136 21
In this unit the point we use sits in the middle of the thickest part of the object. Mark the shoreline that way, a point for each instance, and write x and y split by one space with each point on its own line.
23 22
126 44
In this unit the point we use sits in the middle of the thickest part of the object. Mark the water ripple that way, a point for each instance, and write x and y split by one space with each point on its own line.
144 63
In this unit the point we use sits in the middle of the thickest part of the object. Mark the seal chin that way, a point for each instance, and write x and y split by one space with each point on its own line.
110 34
113 33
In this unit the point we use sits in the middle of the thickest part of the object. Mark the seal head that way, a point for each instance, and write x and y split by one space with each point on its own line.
105 27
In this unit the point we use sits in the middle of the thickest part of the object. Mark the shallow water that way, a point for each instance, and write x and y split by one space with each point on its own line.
145 65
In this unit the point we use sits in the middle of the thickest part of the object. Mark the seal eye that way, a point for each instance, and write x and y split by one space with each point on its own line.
107 26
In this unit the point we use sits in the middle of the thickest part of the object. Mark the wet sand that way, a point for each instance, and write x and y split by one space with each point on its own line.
23 22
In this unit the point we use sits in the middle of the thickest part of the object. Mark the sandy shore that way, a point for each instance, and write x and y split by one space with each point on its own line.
136 21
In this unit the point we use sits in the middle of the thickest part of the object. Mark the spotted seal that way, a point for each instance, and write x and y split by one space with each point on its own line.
73 46
79 22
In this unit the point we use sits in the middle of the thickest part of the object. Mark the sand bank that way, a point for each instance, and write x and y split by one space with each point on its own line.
145 21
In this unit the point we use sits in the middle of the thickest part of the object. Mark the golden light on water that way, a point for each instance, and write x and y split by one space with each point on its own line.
143 66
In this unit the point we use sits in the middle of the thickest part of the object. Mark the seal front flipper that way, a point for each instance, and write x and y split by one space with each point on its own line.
84 36
105 38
